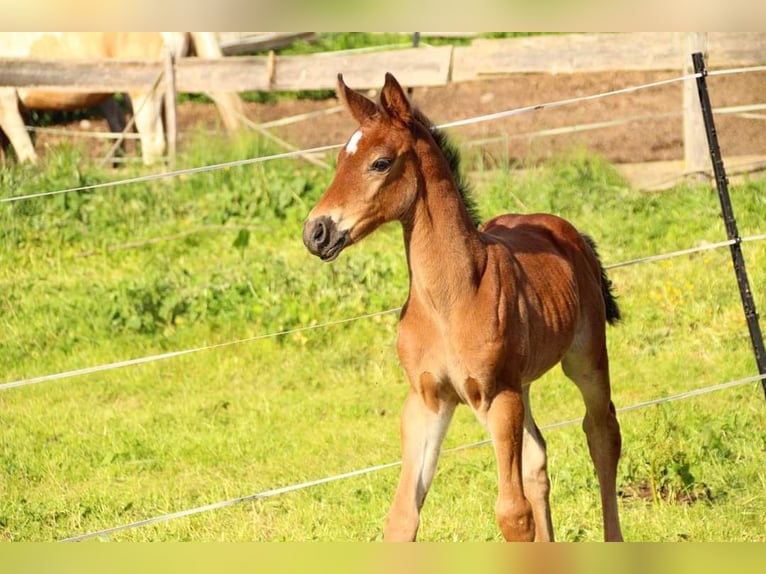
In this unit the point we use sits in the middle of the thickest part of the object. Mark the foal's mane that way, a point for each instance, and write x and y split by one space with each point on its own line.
452 155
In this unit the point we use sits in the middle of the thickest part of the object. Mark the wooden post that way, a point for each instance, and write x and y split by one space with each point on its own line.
229 104
696 152
171 124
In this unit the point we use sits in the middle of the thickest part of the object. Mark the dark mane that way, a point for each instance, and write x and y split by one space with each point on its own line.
452 155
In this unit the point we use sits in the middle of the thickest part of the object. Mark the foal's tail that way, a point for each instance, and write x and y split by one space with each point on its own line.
613 314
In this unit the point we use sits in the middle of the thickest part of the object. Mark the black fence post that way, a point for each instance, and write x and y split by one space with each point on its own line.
722 184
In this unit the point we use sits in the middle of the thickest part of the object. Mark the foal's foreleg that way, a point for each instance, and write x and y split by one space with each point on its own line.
423 428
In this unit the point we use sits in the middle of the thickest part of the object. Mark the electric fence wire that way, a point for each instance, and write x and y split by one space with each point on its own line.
334 478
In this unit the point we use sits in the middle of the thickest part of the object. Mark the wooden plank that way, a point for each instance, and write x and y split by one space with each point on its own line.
567 54
653 51
234 45
193 75
235 74
727 49
412 67
91 76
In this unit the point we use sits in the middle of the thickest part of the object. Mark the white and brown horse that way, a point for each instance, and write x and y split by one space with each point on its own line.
147 106
490 309
78 45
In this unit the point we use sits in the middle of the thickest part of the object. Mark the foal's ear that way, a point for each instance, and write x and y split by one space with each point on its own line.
394 101
361 107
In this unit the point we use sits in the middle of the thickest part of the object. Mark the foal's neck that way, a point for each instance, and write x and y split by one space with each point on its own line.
445 252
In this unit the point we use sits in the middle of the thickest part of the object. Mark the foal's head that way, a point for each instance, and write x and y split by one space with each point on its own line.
377 176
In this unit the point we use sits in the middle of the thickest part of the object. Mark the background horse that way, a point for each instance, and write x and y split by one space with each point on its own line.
147 105
489 310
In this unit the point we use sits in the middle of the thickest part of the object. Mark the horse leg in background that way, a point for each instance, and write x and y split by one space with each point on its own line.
115 117
505 421
590 372
424 425
5 144
148 119
12 124
535 473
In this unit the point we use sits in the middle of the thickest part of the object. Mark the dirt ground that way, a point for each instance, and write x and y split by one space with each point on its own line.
648 122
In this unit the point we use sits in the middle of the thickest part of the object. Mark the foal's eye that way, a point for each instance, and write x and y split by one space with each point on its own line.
381 165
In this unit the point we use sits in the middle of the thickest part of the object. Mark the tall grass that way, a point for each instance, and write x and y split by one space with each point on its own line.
89 278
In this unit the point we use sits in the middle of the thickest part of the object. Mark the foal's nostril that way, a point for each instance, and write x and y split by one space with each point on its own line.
320 235
322 238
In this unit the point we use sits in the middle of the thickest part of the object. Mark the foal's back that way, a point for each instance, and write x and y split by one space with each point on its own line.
543 234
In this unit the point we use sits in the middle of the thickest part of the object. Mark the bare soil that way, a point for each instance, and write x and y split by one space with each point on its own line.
653 133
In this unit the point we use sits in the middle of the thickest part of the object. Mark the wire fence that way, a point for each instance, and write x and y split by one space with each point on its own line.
380 467
741 111
284 333
320 149
328 324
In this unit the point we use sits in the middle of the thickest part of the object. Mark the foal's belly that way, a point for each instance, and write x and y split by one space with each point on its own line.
460 367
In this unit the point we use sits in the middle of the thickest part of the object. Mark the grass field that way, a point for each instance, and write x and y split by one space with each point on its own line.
90 278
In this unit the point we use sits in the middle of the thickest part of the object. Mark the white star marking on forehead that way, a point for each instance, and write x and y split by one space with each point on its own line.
352 144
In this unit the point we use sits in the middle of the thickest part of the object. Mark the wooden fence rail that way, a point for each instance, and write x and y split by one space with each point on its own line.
647 51
415 67
426 66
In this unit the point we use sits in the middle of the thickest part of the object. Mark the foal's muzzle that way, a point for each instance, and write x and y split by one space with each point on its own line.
322 238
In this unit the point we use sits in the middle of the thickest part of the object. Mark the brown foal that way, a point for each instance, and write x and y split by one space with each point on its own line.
490 310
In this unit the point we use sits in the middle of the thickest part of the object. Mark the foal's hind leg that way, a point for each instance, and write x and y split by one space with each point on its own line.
590 372
535 474
505 421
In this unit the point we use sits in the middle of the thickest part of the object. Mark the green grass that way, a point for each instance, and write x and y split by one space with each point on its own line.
100 450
